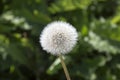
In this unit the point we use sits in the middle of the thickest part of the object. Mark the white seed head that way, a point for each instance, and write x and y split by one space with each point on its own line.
58 38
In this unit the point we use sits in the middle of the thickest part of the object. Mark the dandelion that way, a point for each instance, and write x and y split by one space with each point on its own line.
59 38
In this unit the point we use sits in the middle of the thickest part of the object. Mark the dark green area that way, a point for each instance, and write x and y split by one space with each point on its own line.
95 57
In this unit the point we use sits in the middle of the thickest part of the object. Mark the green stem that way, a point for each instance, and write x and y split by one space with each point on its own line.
64 67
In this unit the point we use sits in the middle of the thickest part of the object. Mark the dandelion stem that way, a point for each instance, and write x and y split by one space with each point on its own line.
64 67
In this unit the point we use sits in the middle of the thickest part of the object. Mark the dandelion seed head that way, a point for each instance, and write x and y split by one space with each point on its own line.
58 38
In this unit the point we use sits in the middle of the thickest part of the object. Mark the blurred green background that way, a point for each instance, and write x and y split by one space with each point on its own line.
95 57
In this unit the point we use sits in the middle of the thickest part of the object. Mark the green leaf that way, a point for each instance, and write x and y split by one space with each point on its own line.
17 53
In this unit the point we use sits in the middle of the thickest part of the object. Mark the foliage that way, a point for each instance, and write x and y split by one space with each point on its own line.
95 57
